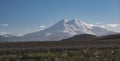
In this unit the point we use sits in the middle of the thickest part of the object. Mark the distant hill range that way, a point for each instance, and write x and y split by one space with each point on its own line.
78 41
112 36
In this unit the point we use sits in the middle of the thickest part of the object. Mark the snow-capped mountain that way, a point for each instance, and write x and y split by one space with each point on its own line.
64 29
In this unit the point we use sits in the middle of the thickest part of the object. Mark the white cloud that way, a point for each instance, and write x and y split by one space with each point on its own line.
30 30
2 29
102 26
112 27
5 25
42 27
91 25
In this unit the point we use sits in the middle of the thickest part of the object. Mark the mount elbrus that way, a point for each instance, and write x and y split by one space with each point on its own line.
61 30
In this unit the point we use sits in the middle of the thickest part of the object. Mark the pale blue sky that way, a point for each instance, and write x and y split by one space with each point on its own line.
24 16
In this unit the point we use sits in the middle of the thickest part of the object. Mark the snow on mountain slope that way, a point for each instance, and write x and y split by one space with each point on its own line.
65 29
101 31
55 32
62 30
78 27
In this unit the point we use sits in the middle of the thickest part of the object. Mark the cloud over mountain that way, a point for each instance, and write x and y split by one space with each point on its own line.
112 27
42 27
5 25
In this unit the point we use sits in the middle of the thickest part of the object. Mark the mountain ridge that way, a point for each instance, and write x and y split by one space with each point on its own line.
62 30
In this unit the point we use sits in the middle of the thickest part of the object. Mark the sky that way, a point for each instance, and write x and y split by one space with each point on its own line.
25 16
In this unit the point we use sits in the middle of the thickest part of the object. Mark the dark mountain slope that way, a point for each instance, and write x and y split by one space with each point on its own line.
82 37
113 36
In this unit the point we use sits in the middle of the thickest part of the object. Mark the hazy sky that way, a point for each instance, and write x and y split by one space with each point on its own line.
23 16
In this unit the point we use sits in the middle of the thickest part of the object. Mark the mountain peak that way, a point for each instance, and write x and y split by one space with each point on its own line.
63 21
77 21
78 24
74 21
59 26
